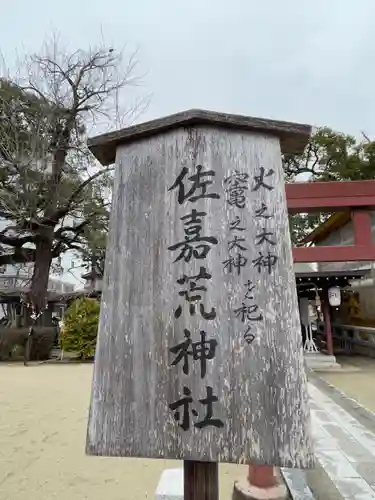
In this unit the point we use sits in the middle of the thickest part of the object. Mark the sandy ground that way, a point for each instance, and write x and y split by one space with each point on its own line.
359 385
43 416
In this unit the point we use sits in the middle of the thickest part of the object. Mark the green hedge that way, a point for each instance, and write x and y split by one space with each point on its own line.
80 327
13 341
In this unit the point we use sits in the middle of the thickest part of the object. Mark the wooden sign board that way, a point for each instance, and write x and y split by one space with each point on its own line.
199 352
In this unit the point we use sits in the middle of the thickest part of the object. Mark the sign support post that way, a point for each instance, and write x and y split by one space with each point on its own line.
201 480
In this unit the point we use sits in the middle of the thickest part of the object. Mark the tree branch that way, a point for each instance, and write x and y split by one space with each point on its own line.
17 241
62 212
20 256
59 234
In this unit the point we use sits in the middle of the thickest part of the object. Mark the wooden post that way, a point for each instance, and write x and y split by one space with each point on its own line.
199 354
28 345
201 480
327 321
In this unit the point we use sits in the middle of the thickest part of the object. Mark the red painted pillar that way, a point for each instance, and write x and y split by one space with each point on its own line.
362 228
263 482
327 322
262 476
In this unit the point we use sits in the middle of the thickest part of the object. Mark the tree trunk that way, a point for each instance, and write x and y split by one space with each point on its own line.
42 265
44 245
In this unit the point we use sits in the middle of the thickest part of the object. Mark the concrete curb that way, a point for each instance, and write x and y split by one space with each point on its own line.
296 483
243 491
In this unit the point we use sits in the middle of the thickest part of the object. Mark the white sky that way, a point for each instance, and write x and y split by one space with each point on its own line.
294 60
310 62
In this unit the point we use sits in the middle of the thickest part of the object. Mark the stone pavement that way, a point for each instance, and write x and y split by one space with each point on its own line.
355 379
344 447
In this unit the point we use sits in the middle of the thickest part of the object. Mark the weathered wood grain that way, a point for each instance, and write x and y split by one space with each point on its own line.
261 387
201 480
293 136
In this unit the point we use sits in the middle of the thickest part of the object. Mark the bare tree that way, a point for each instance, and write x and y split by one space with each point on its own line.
52 193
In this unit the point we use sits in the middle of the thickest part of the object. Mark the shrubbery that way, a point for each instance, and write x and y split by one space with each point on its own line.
80 327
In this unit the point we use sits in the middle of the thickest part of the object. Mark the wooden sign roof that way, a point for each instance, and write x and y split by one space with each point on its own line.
293 136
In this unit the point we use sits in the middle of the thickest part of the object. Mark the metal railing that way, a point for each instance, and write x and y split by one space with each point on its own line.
352 339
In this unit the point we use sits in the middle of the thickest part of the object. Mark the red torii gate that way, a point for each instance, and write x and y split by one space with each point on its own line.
354 197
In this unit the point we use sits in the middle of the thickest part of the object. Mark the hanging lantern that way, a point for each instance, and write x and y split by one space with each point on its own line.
334 296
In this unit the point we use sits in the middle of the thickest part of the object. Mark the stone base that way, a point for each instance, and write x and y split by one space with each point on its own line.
318 361
171 485
243 491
